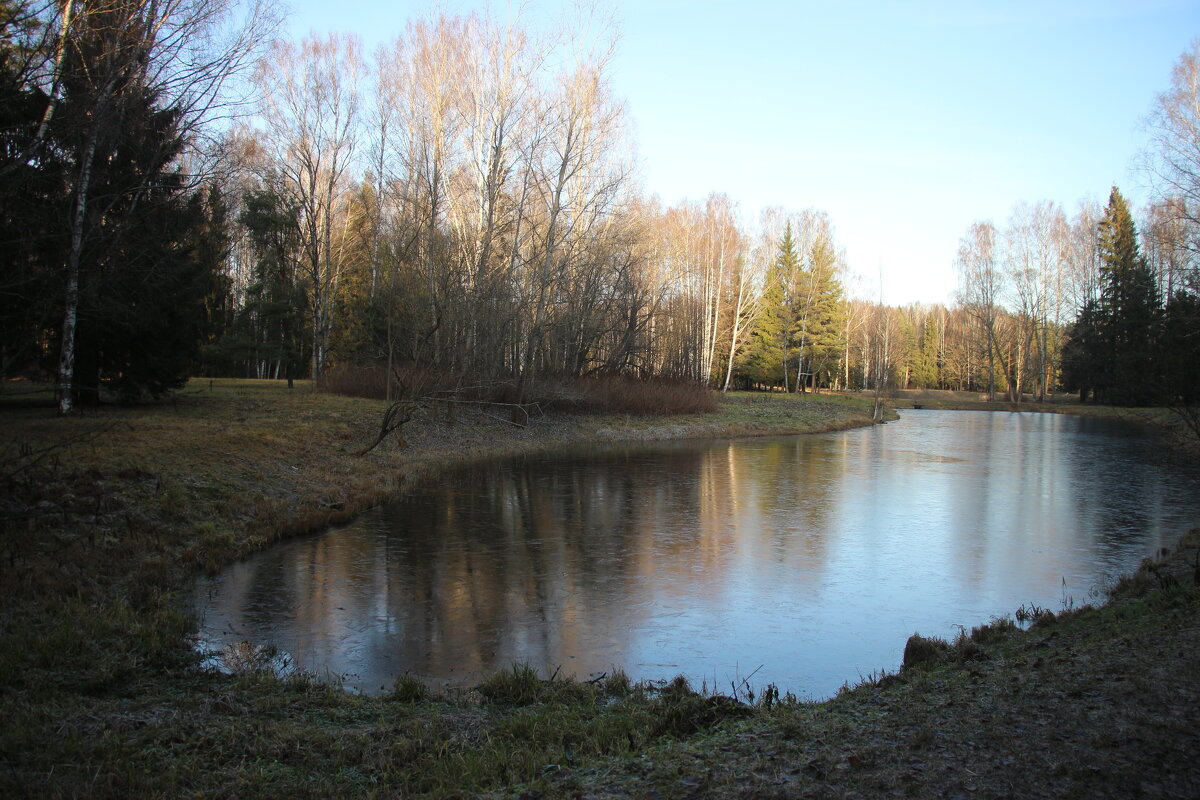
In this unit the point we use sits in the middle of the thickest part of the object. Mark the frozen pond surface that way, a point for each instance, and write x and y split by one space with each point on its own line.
802 561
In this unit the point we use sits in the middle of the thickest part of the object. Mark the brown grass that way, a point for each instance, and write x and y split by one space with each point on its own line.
128 501
107 515
608 394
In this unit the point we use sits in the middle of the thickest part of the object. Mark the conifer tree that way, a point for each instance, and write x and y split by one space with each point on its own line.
824 314
267 338
1083 365
925 363
1129 310
765 359
910 352
1181 355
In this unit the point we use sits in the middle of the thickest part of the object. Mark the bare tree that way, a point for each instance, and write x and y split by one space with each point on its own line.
980 285
578 179
1166 239
1173 157
310 112
1081 262
1034 257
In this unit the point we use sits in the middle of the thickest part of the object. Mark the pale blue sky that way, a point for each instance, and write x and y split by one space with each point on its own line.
906 121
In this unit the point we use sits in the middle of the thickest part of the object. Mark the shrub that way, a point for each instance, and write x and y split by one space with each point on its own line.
370 380
618 394
607 394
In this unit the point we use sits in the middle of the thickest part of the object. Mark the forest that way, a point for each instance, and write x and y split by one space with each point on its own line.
459 213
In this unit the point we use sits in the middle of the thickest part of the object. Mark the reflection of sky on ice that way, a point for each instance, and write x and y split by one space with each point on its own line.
805 561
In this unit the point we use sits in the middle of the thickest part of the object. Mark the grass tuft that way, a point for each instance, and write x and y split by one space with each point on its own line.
921 651
999 629
409 689
520 685
679 710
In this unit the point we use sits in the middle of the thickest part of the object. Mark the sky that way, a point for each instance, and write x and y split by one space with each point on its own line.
905 121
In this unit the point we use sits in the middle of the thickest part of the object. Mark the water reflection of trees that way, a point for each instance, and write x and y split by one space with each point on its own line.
558 564
588 562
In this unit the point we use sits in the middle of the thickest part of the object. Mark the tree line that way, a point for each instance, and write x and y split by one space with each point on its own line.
459 210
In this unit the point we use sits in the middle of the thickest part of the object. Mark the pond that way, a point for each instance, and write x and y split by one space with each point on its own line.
802 561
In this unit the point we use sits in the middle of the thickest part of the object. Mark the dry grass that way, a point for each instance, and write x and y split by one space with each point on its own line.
1096 703
607 394
107 515
133 499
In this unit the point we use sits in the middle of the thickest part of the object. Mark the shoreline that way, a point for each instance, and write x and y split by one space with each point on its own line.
95 674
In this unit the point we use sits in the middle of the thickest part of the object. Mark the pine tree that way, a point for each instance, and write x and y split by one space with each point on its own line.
268 338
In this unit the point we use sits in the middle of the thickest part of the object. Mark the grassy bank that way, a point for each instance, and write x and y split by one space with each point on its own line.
1090 703
107 515
940 399
99 695
229 466
1172 427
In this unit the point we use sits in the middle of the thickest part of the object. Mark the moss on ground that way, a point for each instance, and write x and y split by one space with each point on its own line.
109 514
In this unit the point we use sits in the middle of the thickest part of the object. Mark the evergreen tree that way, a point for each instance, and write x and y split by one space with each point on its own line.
268 338
213 250
143 317
910 352
822 315
1180 366
925 363
765 357
31 203
142 280
94 205
1128 312
1082 357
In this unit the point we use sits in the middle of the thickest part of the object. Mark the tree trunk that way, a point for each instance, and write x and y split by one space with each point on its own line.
66 359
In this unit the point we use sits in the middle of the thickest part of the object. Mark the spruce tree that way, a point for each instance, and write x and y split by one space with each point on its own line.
98 230
1083 363
925 364
910 353
823 315
267 338
765 359
1180 347
1128 312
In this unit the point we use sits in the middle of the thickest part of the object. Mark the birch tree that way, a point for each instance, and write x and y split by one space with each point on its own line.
1173 156
310 111
1034 255
112 55
579 176
980 284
